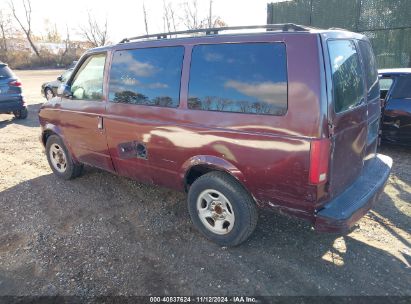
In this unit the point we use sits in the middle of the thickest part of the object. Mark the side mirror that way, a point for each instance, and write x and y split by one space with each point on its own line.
64 91
60 79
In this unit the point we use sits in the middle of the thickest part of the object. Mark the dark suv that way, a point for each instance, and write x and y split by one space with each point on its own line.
285 119
11 98
395 85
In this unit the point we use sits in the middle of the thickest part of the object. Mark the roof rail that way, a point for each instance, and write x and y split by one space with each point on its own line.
285 27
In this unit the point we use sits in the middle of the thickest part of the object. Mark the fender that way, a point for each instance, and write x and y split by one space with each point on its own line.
49 127
213 162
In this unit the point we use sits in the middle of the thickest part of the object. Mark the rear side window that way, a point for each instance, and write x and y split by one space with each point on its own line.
370 69
148 76
5 72
402 88
241 78
348 88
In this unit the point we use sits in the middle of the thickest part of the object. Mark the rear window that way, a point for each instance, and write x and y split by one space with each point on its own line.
348 88
370 69
402 88
149 76
5 72
241 78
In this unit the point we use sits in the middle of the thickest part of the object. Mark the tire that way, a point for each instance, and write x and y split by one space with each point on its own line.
48 93
60 160
240 211
21 114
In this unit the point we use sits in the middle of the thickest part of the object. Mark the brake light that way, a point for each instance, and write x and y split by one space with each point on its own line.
319 160
15 83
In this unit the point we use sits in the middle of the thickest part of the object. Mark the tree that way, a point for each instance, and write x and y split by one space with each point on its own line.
52 34
192 20
93 32
5 30
145 18
168 17
67 45
25 27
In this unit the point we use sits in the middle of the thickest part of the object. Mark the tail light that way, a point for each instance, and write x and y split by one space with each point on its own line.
15 83
319 161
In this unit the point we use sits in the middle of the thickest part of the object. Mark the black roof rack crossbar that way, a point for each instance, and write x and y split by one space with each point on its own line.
285 27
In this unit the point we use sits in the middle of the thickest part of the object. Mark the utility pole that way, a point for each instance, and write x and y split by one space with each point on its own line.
210 16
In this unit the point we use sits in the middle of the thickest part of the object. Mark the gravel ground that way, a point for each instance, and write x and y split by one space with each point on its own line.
102 234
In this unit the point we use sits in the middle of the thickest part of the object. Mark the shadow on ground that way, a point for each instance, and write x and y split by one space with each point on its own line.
32 119
105 235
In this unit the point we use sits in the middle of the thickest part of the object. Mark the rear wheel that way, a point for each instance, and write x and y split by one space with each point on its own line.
60 160
21 114
222 209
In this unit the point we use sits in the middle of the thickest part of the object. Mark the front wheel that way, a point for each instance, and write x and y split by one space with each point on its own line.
48 93
60 160
222 209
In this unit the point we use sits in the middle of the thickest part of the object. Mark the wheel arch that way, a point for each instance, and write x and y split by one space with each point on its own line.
199 165
50 129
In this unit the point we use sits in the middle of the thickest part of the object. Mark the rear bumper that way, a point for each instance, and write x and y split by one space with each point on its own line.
11 105
344 211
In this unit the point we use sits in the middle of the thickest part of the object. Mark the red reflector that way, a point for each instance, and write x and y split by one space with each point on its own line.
15 83
319 159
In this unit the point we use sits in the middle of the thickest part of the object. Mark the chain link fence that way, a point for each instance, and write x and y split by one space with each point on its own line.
387 23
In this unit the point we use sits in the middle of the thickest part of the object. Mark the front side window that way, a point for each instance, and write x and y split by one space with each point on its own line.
148 76
240 77
88 82
348 88
402 88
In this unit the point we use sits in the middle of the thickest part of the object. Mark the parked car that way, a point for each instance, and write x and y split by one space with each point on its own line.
49 89
11 97
285 119
396 99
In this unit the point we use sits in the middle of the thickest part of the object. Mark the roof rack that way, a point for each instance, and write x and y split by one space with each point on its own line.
284 27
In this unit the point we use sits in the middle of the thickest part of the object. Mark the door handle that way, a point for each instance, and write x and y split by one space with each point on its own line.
100 123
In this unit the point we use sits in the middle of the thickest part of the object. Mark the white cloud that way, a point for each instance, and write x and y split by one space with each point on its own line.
213 57
270 92
141 69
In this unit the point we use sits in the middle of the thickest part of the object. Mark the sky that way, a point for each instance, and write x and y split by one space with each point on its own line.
125 17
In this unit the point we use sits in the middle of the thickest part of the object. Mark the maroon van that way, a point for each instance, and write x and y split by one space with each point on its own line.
284 119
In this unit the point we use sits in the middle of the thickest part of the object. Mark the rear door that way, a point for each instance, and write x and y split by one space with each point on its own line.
347 113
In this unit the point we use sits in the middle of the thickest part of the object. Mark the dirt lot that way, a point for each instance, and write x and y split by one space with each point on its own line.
106 235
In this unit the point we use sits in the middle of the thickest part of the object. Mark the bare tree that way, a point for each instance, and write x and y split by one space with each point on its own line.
67 45
5 30
169 17
93 32
25 27
145 18
191 18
